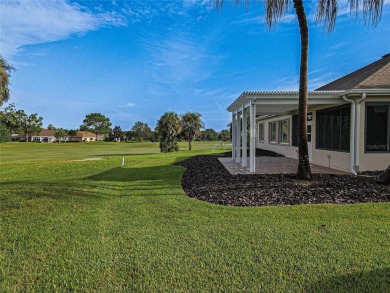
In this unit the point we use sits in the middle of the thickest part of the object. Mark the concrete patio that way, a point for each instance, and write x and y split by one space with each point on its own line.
274 165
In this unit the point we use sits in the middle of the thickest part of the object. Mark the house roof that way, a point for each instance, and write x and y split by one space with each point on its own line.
46 132
373 76
85 134
372 79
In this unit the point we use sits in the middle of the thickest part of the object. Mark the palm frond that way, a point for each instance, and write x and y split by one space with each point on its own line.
274 11
326 13
372 10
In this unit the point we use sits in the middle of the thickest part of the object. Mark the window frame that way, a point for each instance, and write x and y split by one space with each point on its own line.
367 104
275 123
261 132
280 132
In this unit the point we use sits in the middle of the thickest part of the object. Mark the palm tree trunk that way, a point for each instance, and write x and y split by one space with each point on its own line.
304 171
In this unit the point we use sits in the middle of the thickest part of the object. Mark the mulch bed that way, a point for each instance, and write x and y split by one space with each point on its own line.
207 179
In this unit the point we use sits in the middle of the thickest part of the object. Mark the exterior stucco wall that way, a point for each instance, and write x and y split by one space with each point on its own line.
334 159
366 161
285 149
371 161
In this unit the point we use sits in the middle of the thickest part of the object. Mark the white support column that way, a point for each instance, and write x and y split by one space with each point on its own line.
233 137
238 139
252 148
244 162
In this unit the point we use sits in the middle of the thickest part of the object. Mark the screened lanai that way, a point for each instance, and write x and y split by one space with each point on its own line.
251 105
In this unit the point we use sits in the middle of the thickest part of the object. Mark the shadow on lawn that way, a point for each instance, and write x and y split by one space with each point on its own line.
162 179
128 174
366 281
157 173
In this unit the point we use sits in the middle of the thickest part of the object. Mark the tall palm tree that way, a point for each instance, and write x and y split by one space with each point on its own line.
168 128
191 126
5 70
326 15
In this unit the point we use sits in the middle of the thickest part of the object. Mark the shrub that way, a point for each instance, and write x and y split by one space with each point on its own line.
4 134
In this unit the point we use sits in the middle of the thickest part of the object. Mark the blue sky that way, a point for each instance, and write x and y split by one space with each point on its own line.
134 60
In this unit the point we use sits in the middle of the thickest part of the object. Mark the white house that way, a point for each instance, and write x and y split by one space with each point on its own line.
348 121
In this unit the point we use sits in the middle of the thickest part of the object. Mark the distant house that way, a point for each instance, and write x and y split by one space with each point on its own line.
348 121
45 135
83 136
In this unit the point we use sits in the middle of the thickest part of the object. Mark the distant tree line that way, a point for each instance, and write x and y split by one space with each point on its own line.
171 127
17 121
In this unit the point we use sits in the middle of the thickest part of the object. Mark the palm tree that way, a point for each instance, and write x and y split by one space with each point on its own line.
168 128
191 126
5 70
326 15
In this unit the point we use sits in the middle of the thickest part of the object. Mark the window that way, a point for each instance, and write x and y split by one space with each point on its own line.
273 132
333 129
283 131
279 132
377 127
261 132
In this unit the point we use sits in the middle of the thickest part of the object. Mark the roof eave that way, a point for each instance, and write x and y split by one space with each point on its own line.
373 91
253 95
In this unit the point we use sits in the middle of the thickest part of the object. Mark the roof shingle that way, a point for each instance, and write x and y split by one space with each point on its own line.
373 76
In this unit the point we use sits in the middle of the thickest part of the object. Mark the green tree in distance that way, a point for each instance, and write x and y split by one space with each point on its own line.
209 134
59 133
191 125
4 134
141 131
11 118
326 16
117 133
72 133
96 123
51 127
168 128
5 73
224 135
31 124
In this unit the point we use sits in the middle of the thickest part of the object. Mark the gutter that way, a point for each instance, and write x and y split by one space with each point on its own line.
357 145
353 132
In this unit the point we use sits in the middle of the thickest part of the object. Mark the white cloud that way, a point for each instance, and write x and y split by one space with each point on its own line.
130 104
27 22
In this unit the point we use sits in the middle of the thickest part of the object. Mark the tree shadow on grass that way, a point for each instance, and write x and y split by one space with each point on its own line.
366 281
153 181
156 173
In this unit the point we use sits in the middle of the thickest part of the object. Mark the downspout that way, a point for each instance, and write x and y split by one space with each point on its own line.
358 117
353 132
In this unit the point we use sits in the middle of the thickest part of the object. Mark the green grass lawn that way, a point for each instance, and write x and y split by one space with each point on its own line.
69 225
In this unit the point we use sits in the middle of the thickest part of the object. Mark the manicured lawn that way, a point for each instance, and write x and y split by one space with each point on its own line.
90 226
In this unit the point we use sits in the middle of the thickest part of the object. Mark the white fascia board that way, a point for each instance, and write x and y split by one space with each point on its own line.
378 92
284 97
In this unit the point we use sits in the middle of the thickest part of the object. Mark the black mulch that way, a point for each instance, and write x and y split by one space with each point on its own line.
207 179
259 153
